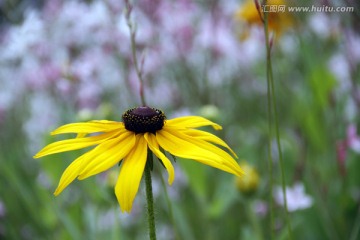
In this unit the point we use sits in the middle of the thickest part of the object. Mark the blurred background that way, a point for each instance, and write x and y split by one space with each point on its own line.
70 61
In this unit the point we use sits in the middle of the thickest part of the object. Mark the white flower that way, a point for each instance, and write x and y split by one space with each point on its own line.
295 196
21 38
322 25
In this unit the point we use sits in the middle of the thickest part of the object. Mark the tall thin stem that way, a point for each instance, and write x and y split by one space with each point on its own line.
138 69
271 162
269 113
150 198
272 96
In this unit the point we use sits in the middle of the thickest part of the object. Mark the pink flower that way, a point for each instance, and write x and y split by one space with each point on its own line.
352 139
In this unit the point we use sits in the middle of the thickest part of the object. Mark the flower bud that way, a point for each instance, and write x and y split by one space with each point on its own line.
249 182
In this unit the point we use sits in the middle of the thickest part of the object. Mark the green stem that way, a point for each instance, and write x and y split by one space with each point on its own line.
270 81
149 198
138 69
283 181
271 176
264 18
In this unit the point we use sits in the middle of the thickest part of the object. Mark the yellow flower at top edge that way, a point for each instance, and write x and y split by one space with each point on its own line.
142 129
278 16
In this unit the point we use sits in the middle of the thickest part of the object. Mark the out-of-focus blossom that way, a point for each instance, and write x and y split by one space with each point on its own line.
209 111
278 21
260 207
165 231
41 104
10 92
351 141
248 184
296 197
51 54
352 138
323 25
41 75
51 50
89 96
353 47
20 38
217 36
179 28
218 41
339 66
2 209
161 90
252 48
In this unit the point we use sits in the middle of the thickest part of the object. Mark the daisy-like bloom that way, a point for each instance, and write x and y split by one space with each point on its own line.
279 19
142 129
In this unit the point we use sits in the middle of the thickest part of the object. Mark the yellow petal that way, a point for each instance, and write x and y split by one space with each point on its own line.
73 144
191 122
70 173
89 127
154 147
208 137
81 135
130 174
248 13
107 154
184 146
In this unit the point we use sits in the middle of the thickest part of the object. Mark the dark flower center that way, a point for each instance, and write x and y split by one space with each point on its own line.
143 119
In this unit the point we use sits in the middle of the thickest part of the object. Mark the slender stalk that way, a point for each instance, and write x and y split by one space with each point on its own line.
138 69
270 82
270 162
277 134
269 113
149 198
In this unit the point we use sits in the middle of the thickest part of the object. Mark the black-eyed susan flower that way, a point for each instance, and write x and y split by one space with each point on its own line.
278 16
142 129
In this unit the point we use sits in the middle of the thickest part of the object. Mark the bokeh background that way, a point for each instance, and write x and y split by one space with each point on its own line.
69 61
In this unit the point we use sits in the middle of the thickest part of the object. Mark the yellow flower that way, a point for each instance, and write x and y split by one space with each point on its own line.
142 128
279 19
249 183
